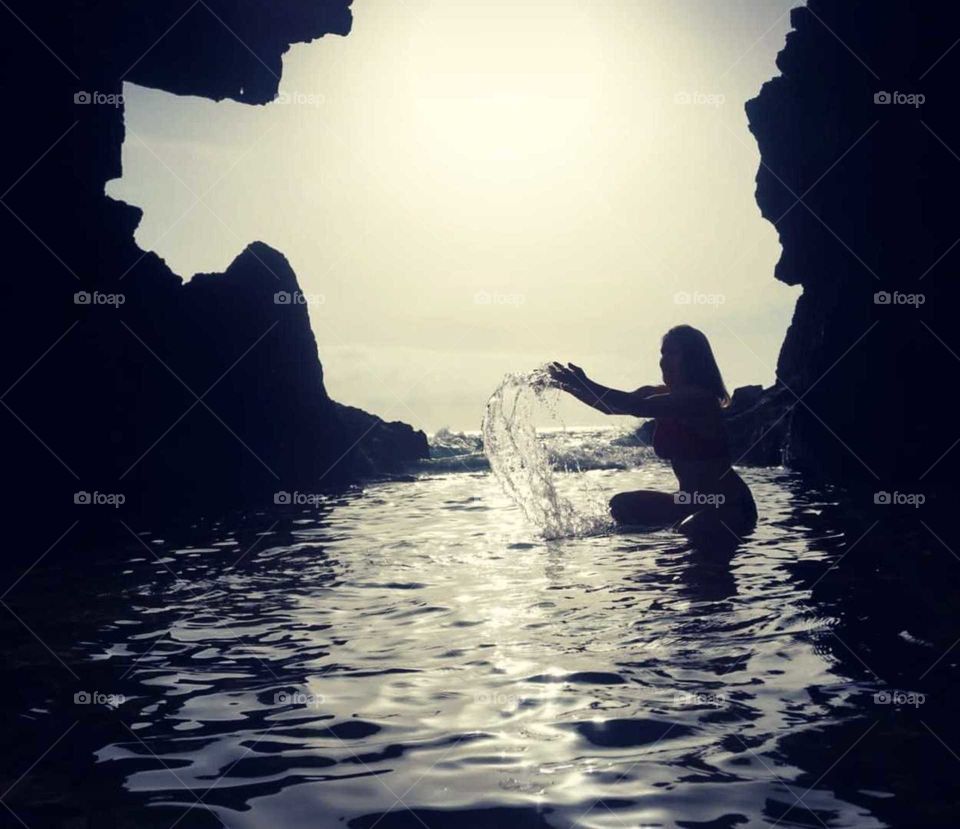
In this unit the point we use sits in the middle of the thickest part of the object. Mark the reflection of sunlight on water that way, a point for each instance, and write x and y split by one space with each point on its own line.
445 652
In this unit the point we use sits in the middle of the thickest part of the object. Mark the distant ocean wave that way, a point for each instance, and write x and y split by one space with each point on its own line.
575 449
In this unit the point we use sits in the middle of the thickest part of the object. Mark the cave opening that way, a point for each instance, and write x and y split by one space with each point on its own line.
454 185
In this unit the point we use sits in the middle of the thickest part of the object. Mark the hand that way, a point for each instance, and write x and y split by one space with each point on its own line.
568 377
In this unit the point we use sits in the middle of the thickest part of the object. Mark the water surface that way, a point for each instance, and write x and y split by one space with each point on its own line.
415 653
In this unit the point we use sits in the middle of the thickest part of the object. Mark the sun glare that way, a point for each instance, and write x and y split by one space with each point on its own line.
495 87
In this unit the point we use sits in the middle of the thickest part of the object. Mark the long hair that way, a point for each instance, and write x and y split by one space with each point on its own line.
699 365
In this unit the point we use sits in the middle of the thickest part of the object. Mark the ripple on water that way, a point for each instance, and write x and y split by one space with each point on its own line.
419 640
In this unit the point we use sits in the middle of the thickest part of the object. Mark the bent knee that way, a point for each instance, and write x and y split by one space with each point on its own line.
644 507
619 507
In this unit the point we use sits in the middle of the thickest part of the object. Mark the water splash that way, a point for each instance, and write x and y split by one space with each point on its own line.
522 464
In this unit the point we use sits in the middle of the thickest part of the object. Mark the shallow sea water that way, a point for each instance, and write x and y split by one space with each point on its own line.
414 653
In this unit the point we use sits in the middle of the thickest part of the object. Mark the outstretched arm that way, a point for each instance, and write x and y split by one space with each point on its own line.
647 401
573 380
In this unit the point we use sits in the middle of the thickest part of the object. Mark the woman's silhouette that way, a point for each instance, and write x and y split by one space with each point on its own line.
689 432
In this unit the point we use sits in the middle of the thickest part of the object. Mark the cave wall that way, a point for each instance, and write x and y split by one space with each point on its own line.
195 397
869 382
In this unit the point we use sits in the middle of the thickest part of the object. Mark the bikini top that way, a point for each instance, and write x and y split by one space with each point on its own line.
676 441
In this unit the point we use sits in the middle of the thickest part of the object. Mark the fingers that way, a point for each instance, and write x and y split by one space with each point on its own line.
560 374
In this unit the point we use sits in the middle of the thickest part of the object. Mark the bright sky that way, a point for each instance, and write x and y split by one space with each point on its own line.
471 187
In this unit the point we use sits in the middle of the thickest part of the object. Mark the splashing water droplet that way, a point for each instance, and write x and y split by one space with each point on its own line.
522 464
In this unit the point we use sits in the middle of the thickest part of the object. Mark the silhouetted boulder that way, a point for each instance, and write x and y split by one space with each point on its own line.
756 425
744 397
383 446
644 434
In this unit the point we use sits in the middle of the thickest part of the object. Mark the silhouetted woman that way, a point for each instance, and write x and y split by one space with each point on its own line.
689 432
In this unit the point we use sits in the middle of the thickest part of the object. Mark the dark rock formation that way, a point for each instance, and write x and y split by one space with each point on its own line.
745 397
860 177
643 436
860 180
383 446
117 379
756 422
